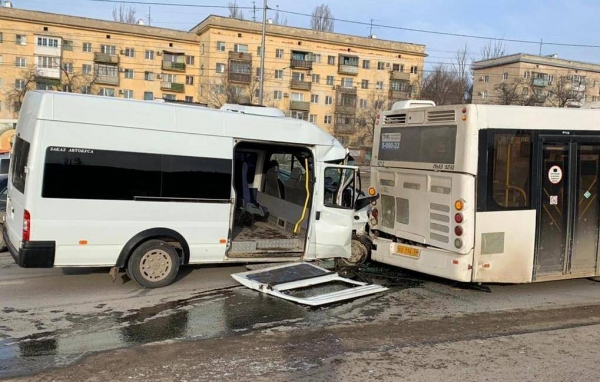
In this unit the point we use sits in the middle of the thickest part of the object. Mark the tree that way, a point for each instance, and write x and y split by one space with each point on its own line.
218 91
463 73
322 19
234 11
74 82
123 14
493 49
15 95
279 19
366 116
518 92
442 85
566 89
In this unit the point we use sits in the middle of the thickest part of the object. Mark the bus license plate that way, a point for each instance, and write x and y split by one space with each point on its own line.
408 251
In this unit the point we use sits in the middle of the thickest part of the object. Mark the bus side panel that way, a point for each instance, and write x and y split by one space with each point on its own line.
107 225
504 246
432 261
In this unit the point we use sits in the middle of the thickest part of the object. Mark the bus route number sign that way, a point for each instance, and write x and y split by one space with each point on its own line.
555 174
390 141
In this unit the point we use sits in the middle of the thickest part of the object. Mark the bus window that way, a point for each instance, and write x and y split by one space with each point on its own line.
511 163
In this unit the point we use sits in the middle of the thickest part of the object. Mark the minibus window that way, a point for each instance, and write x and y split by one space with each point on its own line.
19 160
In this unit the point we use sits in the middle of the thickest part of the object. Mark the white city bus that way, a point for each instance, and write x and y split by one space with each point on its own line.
481 193
148 186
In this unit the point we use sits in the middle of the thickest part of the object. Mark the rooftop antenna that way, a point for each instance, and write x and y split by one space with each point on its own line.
254 11
149 16
541 43
371 35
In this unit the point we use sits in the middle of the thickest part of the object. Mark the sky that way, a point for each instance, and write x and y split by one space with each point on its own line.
566 22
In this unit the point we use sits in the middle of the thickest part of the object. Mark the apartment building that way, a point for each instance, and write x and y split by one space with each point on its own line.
327 78
528 79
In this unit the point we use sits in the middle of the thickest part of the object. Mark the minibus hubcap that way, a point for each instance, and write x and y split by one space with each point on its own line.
155 265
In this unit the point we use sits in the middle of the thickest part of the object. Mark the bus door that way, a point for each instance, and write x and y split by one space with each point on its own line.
569 209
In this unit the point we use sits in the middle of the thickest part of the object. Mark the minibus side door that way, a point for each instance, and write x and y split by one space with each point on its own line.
335 210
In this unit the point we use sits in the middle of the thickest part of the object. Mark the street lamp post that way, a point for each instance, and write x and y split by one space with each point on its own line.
261 91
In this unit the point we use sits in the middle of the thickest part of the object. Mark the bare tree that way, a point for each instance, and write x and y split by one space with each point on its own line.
123 14
518 92
322 18
565 90
218 91
493 49
234 11
78 81
280 19
462 70
15 95
376 102
442 85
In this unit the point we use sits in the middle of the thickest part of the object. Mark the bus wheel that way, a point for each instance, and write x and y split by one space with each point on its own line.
154 264
361 251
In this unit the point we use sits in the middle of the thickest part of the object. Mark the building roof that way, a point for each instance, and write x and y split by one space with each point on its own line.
535 59
94 24
308 34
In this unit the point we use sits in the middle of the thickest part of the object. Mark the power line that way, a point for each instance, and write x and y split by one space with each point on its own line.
166 4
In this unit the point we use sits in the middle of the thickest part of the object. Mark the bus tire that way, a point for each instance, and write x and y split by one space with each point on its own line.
361 252
153 264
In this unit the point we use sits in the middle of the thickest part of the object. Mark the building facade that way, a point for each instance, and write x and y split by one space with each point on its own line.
330 79
525 79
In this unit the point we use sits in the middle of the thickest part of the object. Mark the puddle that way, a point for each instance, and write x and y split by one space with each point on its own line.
207 315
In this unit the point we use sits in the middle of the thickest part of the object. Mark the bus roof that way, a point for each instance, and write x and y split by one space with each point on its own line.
90 109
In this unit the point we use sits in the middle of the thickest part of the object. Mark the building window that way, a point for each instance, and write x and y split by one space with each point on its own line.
202 49
19 84
48 62
316 78
86 89
312 118
317 58
20 62
379 85
279 53
148 96
297 97
221 46
330 80
363 103
21 39
170 97
414 69
328 100
172 78
240 48
107 92
398 67
277 94
484 94
504 76
380 65
364 84
149 76
129 52
1 38
68 67
366 64
87 47
86 69
127 93
190 60
526 74
327 120
149 54
258 72
330 60
67 44
220 68
298 76
550 78
129 73
50 42
486 78
314 98
297 114
108 49
399 85
189 99
347 82
259 51
189 80
278 74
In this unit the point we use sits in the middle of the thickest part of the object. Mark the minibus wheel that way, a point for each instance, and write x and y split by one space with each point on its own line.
153 264
361 251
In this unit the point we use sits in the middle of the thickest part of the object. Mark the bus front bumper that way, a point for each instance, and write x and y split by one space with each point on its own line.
32 254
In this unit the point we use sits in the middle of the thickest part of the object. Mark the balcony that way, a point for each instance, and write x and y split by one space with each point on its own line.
53 73
301 64
542 82
396 75
173 66
348 69
107 79
300 105
342 128
348 65
106 58
242 78
239 56
399 95
172 86
300 85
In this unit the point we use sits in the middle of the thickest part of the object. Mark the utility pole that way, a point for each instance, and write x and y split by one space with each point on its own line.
261 90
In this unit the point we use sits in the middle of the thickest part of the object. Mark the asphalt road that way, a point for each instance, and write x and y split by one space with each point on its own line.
205 327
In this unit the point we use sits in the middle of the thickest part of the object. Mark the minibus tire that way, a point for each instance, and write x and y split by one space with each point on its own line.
141 265
361 252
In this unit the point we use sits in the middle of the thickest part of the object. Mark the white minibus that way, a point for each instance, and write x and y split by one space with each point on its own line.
149 186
